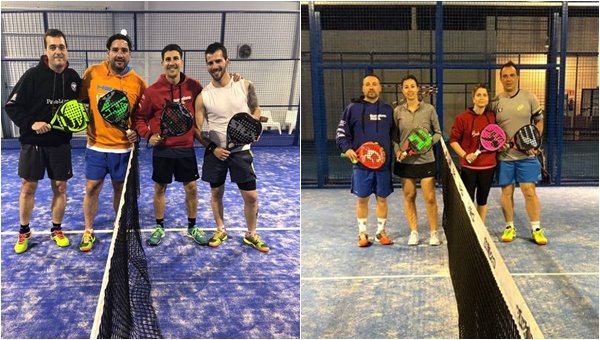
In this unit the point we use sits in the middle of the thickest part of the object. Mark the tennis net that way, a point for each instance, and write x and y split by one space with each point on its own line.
488 300
125 308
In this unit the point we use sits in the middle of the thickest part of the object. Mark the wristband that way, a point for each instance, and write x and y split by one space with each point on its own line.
211 147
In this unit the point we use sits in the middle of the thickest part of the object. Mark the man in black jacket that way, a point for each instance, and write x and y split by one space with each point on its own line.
31 106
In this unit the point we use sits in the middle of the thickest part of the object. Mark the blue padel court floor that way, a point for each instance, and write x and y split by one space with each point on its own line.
400 291
232 291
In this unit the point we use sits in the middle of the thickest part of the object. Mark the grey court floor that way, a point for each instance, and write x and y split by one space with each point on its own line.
405 292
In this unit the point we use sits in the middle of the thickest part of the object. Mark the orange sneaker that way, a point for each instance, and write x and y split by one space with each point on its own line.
384 239
363 240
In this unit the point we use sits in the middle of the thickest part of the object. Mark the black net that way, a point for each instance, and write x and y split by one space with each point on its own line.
128 312
489 304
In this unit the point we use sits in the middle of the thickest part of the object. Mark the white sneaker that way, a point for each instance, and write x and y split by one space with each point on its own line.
434 240
413 239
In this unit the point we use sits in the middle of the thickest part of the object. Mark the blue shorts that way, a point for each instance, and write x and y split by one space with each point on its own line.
365 182
98 164
526 170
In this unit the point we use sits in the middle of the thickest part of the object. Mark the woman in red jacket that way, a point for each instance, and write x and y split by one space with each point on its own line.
477 171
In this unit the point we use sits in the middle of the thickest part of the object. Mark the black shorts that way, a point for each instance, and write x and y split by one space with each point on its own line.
239 164
34 160
185 169
414 170
480 180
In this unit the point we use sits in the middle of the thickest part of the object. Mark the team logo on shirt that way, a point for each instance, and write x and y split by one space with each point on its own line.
377 116
520 107
74 86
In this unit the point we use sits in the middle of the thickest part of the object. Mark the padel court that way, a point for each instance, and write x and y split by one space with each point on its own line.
232 291
400 291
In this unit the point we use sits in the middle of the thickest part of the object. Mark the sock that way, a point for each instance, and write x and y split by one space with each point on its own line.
380 224
362 225
510 224
160 222
535 225
55 226
24 228
191 222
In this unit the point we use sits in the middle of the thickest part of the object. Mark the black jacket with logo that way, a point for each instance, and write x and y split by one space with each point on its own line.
36 97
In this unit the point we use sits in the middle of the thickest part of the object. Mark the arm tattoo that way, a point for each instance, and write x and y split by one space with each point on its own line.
252 100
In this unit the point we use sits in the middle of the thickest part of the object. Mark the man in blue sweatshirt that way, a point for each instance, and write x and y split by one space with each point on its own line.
31 106
368 119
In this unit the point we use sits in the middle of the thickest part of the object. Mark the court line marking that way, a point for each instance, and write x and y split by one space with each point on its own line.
107 231
408 276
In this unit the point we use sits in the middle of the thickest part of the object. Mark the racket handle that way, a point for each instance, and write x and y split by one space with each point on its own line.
343 155
477 153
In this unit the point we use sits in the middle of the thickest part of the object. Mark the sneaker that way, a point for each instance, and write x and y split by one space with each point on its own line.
538 236
157 234
87 241
22 242
60 238
198 235
383 238
509 234
413 239
363 239
256 242
434 240
217 238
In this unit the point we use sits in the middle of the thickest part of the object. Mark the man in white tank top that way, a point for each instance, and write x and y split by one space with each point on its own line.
216 104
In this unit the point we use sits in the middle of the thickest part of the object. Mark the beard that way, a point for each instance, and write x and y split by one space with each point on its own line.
118 68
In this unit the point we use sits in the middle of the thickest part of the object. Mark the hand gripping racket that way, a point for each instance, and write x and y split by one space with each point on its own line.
491 138
526 138
175 120
114 108
370 154
419 141
242 129
71 116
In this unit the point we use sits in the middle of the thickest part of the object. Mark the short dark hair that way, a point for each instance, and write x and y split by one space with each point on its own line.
214 47
53 32
410 76
479 86
372 75
510 64
118 36
171 47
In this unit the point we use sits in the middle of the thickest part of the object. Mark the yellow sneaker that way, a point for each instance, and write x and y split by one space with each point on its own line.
22 243
538 237
60 238
509 234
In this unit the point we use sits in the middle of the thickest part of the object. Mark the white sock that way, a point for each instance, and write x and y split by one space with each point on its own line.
535 225
381 224
510 224
362 225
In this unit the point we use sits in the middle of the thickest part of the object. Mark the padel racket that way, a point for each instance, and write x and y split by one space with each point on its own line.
491 138
114 108
71 116
526 138
419 141
242 129
175 120
371 155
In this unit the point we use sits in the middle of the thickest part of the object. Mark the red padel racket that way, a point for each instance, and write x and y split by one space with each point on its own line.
491 138
371 155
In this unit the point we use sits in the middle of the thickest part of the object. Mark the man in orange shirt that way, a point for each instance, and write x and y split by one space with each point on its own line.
108 146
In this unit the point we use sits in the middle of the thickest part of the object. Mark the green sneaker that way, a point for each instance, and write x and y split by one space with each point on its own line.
538 236
87 241
60 238
157 234
256 242
509 234
217 238
198 235
22 242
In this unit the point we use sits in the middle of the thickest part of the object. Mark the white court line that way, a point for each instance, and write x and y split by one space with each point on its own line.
101 231
409 276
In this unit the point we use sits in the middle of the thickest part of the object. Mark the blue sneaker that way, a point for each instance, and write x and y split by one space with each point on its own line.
198 235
